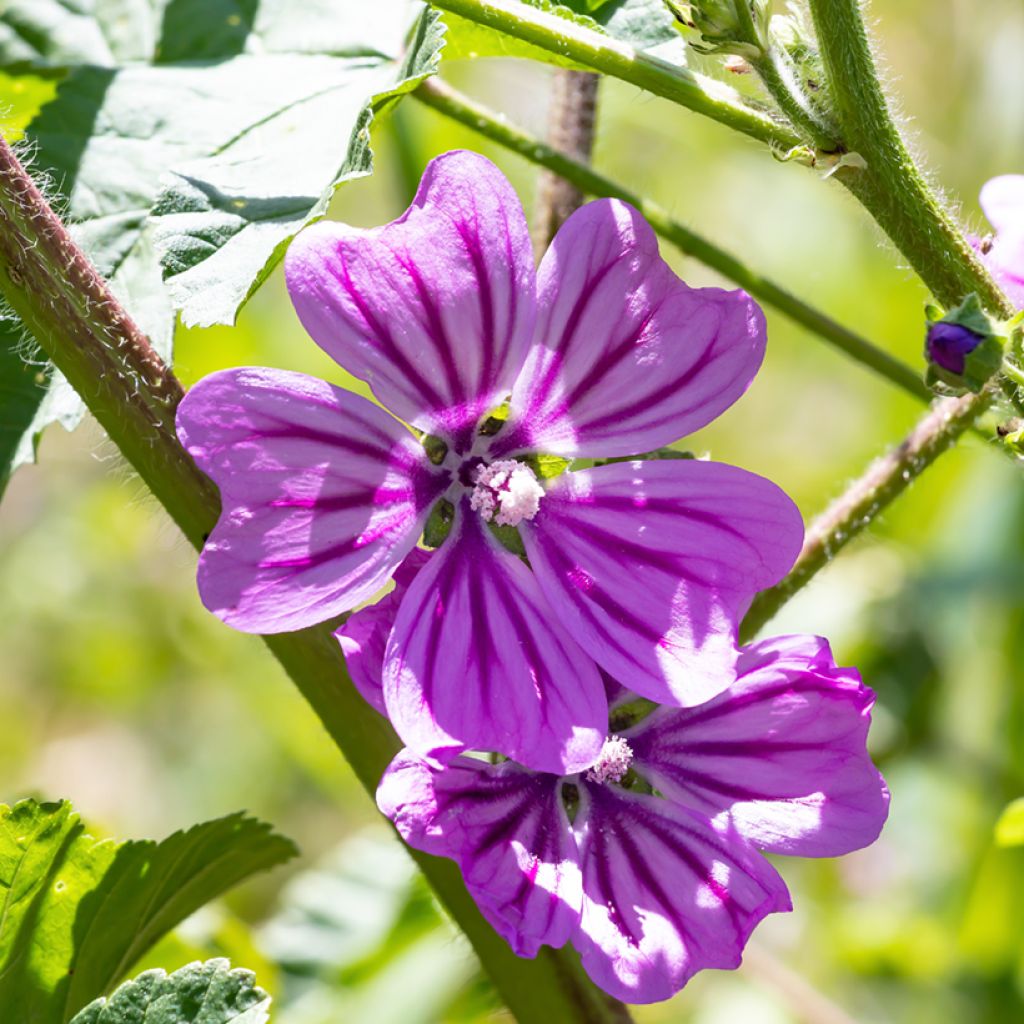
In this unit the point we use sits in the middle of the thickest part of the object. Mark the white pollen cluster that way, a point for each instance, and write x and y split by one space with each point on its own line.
612 765
507 492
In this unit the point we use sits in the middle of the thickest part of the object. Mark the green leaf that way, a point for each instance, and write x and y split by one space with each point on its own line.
210 993
76 912
191 139
224 220
1010 827
644 24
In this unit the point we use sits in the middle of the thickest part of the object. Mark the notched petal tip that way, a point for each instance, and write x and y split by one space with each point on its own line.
436 309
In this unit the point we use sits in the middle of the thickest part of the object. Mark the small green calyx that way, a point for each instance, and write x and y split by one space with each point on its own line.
435 448
658 455
738 27
494 421
508 537
439 524
964 347
625 716
547 467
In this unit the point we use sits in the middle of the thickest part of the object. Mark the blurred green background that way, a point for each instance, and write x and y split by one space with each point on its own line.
121 693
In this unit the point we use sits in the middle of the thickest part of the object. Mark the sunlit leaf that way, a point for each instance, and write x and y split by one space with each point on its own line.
190 139
77 912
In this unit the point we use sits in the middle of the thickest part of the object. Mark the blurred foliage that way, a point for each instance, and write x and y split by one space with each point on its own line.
122 694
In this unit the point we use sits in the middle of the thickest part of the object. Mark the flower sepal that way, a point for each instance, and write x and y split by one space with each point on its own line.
964 347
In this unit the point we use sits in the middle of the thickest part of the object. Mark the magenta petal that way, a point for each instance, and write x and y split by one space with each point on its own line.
507 828
665 894
651 566
477 660
364 634
781 754
435 310
628 358
322 495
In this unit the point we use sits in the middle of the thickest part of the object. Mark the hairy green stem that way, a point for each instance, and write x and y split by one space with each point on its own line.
597 52
779 77
446 100
90 338
891 186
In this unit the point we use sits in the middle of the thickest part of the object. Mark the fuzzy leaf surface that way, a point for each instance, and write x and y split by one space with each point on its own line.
76 912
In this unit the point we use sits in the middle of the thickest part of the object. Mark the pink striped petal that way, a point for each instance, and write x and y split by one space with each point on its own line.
651 566
434 310
781 755
508 831
322 495
627 358
364 634
665 894
477 660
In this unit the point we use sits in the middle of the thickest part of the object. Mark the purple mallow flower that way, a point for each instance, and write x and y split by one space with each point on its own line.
640 568
949 344
649 862
1002 199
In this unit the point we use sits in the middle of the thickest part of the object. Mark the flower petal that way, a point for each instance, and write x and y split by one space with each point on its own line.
781 754
628 358
435 310
651 566
665 894
507 829
1002 200
322 495
477 660
364 634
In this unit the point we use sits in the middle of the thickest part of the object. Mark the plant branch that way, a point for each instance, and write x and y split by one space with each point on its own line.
891 186
92 340
447 101
595 51
571 122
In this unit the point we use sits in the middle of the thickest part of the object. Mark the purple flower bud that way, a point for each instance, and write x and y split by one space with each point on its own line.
948 344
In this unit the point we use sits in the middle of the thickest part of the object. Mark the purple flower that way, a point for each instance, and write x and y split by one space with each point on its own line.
649 863
641 568
948 345
1002 199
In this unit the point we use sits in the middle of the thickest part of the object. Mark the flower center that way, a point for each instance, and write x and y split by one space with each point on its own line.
506 491
612 765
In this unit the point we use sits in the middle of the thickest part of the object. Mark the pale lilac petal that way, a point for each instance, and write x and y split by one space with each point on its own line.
627 357
507 829
477 660
665 894
322 495
651 566
435 310
364 634
781 754
1002 200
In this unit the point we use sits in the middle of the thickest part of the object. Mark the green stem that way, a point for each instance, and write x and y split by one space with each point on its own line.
442 98
884 481
598 52
891 186
779 77
74 317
